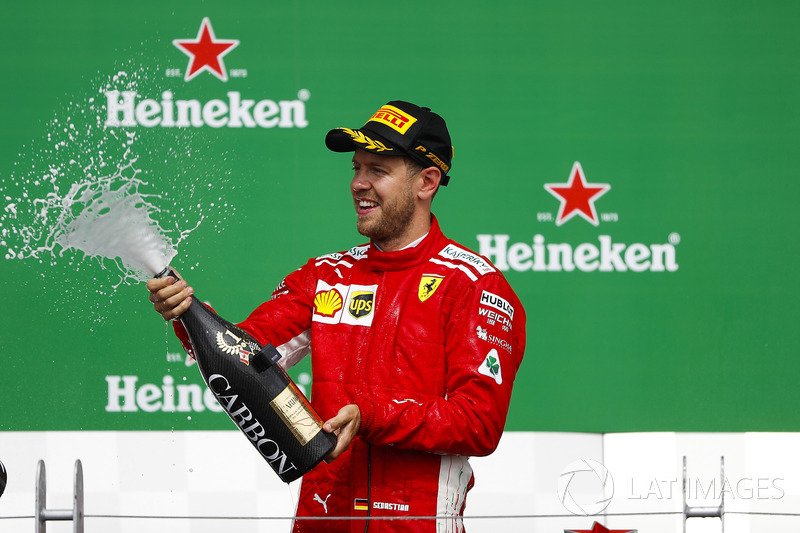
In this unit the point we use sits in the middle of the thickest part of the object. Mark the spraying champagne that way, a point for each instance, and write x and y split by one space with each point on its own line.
256 392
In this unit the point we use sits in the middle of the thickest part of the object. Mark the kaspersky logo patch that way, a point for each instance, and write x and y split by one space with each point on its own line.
393 117
206 52
491 367
428 285
577 197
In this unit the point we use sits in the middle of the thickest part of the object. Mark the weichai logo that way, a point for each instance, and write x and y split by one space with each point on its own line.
206 55
577 197
393 117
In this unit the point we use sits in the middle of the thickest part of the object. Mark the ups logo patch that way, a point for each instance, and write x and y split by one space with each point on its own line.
361 303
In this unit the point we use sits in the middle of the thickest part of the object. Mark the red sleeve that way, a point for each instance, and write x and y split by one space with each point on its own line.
180 332
485 341
284 320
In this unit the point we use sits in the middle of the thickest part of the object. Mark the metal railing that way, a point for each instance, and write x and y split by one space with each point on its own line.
43 515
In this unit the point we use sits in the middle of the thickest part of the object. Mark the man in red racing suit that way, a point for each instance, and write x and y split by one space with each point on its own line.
426 341
421 341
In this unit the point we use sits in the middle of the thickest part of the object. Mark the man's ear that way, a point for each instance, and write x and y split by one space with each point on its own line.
429 182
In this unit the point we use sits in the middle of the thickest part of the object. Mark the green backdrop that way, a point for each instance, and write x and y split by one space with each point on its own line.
685 111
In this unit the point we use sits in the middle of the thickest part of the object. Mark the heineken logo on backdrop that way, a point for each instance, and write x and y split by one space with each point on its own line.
206 52
179 108
577 198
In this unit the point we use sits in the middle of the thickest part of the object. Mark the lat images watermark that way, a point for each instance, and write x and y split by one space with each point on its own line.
745 488
586 488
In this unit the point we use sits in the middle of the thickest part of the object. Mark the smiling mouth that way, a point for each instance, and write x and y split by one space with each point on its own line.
365 206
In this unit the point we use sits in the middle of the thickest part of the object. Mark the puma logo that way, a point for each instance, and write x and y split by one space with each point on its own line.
323 502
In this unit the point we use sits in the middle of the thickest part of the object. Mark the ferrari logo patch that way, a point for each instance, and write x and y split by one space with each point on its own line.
428 285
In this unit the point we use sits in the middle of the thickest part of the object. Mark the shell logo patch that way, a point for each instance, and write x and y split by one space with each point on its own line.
393 117
331 301
326 303
428 285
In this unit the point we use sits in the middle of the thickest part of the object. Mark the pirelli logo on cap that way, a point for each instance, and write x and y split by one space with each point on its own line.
393 117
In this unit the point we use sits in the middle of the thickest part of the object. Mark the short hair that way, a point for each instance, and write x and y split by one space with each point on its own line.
412 167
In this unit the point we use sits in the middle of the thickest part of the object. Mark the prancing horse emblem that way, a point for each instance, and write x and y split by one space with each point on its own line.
428 285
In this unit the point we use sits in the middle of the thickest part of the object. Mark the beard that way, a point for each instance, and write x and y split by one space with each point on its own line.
392 221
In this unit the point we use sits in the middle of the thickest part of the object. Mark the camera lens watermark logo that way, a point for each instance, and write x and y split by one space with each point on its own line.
585 487
3 478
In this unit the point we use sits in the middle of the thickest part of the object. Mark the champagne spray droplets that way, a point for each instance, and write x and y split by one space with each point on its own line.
92 196
110 218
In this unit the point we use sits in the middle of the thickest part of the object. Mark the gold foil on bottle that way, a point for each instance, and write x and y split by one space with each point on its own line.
292 408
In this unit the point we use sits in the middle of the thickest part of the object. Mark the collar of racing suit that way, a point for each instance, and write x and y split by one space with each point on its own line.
407 257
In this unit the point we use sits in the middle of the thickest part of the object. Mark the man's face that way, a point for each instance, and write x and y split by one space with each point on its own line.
384 199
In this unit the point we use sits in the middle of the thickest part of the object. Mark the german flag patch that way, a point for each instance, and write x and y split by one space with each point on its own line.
361 504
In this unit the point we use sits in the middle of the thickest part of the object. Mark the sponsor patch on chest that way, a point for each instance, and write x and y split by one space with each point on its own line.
491 367
492 300
460 255
428 285
345 304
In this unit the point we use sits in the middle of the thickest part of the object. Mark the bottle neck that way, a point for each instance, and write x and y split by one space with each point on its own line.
166 272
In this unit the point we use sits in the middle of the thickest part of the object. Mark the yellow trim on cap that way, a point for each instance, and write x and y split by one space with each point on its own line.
369 144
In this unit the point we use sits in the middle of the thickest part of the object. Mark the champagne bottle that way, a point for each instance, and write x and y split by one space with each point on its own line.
255 392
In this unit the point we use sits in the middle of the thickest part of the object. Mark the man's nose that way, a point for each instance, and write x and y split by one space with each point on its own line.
359 182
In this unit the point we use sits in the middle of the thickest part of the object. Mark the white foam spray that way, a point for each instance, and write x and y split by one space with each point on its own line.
108 217
93 198
105 217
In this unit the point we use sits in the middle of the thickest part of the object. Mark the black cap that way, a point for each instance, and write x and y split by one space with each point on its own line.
403 129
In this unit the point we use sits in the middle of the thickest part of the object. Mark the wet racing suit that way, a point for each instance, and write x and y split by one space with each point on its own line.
427 342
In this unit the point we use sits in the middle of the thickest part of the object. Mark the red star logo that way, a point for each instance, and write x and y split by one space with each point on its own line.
597 527
206 52
577 197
